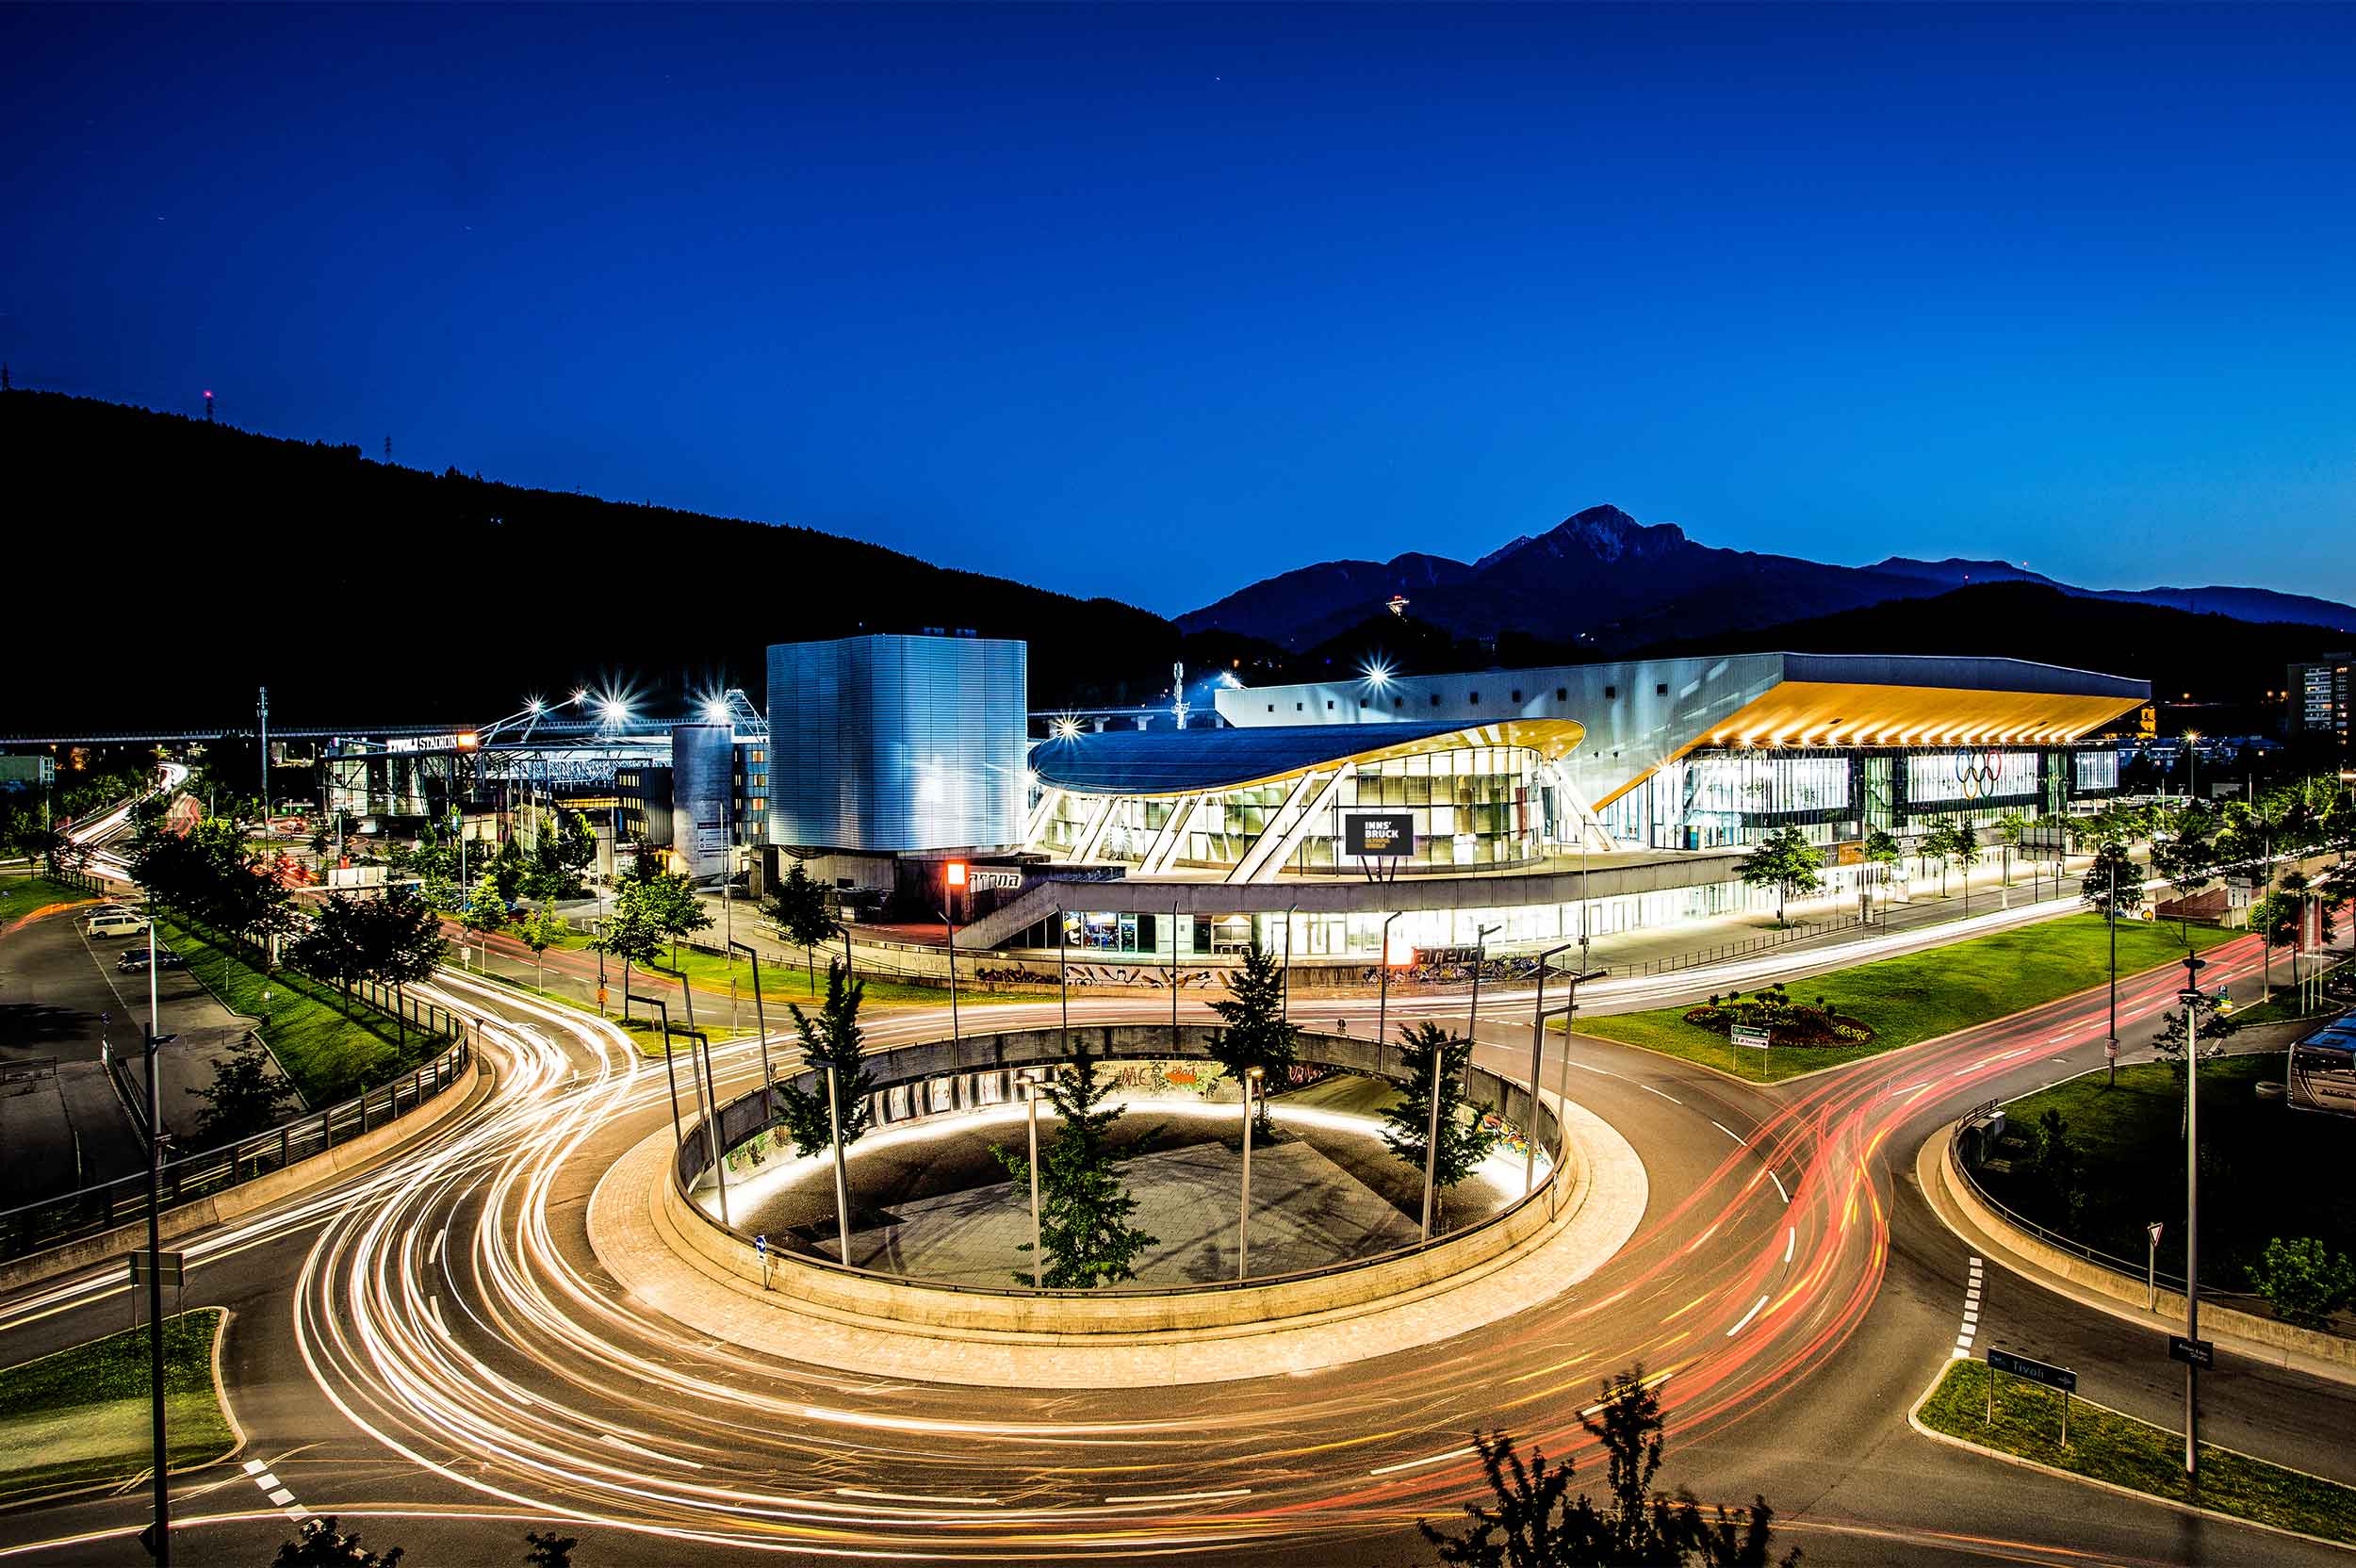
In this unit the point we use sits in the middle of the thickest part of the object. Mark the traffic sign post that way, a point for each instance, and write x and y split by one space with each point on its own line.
2033 1371
2151 1268
760 1250
1745 1035
2192 1352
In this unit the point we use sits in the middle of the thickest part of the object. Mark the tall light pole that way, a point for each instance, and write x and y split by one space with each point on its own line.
1285 1005
1030 1097
1063 978
162 1546
761 1019
842 1182
1243 1220
1173 974
1383 1008
1537 1058
1431 1138
1480 955
2112 909
950 926
2190 997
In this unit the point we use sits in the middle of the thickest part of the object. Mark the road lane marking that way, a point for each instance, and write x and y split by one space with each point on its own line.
281 1495
1663 1094
1791 1239
1745 1321
435 1256
1727 1131
1419 1463
1778 1181
1971 1325
650 1453
910 1496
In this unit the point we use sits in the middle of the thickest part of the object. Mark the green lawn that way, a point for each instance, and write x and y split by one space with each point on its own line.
81 1417
22 895
1920 995
330 1054
2266 1169
2109 1446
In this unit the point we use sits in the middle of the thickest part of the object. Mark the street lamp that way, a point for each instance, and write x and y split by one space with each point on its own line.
1243 1220
1030 1095
1383 1010
662 1011
950 926
2190 998
1480 955
1537 1059
1431 1137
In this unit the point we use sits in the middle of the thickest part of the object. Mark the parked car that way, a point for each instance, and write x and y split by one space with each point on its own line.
133 960
116 923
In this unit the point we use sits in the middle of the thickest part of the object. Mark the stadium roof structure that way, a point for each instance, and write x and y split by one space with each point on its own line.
1187 761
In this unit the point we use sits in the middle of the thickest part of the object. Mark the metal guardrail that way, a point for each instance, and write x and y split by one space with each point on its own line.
96 1209
744 1116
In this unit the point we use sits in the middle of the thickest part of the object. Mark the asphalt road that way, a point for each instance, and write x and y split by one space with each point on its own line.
433 1354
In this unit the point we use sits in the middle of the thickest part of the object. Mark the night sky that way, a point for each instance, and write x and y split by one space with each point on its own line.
1152 303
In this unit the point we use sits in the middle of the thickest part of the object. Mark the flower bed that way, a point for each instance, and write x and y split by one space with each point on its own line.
1787 1019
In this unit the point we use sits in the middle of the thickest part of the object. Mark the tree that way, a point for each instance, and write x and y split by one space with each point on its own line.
1534 1525
317 1545
2054 1170
507 870
1882 849
2282 915
333 947
628 933
669 903
1963 847
402 943
833 1040
245 1096
548 1551
2303 1282
2216 1025
539 931
801 916
1464 1143
2012 828
486 909
1786 861
1257 1032
1083 1208
2187 858
2111 861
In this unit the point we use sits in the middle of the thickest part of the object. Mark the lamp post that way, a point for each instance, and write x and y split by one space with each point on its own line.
1472 1024
950 926
162 1545
2111 1053
761 1019
1382 1007
1063 977
663 1012
841 1184
1243 1219
1030 1097
1285 1005
1174 975
2190 997
1432 1140
1537 1058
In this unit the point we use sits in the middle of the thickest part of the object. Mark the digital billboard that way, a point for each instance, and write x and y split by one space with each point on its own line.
1379 833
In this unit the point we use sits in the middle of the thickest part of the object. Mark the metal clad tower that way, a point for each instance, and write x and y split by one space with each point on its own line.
702 758
889 744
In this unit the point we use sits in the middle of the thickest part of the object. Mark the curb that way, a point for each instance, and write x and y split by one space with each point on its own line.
1914 1419
229 1417
2319 1355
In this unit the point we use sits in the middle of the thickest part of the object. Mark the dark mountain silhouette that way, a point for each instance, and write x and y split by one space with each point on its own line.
1603 581
168 566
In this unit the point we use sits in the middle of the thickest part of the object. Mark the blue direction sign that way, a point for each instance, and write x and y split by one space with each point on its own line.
2035 1371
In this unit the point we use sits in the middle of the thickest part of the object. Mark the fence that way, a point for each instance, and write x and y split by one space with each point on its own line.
96 1209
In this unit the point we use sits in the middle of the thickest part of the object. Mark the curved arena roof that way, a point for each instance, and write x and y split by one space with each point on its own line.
1185 761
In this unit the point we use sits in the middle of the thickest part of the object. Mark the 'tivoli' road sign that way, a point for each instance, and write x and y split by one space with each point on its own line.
2035 1371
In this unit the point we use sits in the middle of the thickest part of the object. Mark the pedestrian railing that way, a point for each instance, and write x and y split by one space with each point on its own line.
93 1209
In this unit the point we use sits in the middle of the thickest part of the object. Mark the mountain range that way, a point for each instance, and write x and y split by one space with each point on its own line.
1602 581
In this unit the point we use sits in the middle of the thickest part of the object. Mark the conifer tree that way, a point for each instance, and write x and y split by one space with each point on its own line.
1257 1032
1084 1207
1464 1144
832 1040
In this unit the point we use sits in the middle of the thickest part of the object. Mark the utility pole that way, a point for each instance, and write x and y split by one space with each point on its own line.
162 1544
2190 997
2112 1053
265 761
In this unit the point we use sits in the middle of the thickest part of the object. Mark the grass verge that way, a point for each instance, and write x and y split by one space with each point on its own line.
1921 995
2105 1446
80 1417
330 1054
22 895
2266 1169
786 982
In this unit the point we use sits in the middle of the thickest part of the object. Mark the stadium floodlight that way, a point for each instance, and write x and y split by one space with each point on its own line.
535 707
1376 672
612 709
1067 728
581 697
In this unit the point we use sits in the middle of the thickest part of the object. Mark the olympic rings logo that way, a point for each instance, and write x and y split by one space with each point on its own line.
1976 772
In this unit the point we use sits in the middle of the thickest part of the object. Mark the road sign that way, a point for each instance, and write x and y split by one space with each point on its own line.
170 1267
761 1245
1746 1035
2192 1352
2154 1229
2035 1371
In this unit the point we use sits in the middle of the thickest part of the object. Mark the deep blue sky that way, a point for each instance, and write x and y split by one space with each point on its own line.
1152 303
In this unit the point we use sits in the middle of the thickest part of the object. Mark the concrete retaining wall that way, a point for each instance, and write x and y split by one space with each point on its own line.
2242 1331
859 1293
234 1202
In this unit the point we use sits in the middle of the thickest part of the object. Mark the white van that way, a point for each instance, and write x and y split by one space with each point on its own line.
117 923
